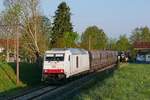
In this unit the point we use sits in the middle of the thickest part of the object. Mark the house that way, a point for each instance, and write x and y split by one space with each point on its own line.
142 51
5 42
8 43
1 49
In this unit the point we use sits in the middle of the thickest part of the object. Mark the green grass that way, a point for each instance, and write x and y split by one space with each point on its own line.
129 82
7 77
29 76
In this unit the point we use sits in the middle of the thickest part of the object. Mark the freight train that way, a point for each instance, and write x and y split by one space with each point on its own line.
63 63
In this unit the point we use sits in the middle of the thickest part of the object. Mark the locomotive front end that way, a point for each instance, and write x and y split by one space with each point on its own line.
54 66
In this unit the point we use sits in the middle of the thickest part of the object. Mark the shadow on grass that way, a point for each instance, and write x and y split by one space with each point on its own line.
30 75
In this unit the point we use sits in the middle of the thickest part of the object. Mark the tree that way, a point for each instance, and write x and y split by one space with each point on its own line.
62 23
123 43
70 39
140 34
46 30
34 31
112 44
10 20
45 26
43 38
94 38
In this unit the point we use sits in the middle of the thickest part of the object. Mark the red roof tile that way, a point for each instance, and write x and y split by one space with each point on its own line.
3 42
143 45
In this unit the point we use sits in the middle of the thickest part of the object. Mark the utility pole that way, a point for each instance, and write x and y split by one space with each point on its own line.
16 26
7 49
17 53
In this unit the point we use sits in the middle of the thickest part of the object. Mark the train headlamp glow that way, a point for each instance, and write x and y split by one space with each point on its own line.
45 70
62 71
49 71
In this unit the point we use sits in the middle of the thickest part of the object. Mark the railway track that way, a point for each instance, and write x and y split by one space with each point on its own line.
20 92
33 93
70 88
57 92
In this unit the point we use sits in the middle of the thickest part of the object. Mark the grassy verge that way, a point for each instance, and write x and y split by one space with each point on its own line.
29 76
129 82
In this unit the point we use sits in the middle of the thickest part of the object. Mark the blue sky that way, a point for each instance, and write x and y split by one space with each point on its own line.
115 17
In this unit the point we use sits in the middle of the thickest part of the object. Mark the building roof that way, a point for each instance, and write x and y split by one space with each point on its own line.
142 45
3 42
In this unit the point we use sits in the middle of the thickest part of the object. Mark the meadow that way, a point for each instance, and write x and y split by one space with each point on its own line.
129 82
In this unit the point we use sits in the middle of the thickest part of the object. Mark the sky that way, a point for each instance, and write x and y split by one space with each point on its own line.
115 17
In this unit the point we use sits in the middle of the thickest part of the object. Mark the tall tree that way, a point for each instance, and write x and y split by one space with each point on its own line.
46 30
123 43
43 38
94 38
140 34
45 26
33 33
10 22
70 39
62 23
112 44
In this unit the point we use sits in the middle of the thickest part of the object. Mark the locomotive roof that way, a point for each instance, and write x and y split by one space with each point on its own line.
72 50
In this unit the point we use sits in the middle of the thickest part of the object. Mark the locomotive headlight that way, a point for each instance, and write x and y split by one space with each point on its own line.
61 70
45 70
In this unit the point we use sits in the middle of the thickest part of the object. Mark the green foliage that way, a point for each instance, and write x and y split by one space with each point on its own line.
2 57
27 48
70 38
123 43
62 23
94 38
44 34
10 18
140 34
112 44
46 26
130 82
12 15
35 30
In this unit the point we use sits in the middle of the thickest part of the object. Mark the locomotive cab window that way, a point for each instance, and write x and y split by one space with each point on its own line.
59 57
54 57
49 57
